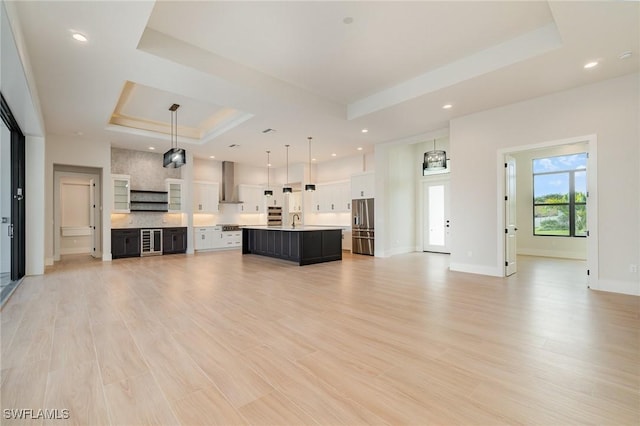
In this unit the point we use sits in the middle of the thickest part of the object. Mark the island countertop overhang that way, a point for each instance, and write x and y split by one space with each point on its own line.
296 229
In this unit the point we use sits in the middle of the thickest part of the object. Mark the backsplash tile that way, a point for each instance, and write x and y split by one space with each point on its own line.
145 169
146 220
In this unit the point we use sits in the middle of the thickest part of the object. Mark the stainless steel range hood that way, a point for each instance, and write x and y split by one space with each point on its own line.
227 192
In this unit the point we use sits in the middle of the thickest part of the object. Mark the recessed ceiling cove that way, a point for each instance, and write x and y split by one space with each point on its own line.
144 110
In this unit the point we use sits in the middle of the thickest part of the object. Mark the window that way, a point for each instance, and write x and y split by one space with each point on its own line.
560 195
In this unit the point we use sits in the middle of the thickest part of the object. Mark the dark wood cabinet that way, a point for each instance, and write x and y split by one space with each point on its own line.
174 240
304 247
125 243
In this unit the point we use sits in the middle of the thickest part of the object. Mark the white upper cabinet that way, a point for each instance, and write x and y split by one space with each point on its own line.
277 199
295 202
206 197
334 197
252 198
175 195
363 185
121 193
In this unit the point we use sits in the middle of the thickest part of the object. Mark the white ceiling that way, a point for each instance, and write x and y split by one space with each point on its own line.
237 68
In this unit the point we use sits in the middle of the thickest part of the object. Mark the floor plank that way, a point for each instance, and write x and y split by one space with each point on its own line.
222 338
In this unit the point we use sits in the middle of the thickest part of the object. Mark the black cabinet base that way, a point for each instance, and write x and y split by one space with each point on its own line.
303 247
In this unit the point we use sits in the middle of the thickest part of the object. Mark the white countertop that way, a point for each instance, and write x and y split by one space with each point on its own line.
296 229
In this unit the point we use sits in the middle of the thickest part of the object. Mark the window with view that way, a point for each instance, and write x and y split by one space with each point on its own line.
560 195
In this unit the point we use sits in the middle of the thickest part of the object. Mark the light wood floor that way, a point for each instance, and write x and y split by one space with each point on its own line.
221 338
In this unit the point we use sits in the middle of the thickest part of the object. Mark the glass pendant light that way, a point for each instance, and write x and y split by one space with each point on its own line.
268 192
310 186
175 157
434 160
286 189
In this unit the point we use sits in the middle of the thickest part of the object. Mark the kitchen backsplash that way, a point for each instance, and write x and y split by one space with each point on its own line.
145 169
146 220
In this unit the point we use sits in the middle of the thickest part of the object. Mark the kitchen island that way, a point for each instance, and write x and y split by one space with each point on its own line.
304 244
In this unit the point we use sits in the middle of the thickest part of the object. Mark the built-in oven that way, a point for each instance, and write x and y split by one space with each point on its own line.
150 242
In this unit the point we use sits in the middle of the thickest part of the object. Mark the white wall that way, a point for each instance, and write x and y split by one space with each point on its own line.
35 205
607 109
536 245
76 151
338 169
19 89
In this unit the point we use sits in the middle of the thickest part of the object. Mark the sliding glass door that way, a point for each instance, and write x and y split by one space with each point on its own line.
12 203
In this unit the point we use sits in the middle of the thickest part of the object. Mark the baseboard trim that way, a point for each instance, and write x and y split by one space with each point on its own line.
78 250
552 253
476 269
616 286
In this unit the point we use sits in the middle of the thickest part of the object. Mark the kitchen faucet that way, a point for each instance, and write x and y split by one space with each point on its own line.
293 224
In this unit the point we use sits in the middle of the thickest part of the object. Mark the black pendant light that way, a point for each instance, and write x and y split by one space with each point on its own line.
310 186
175 157
268 192
287 189
434 160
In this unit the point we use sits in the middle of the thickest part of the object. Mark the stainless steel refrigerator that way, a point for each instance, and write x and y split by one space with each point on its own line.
362 227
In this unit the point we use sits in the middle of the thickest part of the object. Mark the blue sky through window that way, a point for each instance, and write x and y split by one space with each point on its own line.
559 184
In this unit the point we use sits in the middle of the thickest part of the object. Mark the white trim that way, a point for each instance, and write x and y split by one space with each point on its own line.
592 203
551 253
76 250
477 269
616 286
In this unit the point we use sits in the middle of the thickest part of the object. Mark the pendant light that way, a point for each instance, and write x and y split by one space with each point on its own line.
434 160
286 189
310 186
268 192
175 157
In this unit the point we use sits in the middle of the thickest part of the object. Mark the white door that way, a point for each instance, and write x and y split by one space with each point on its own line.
92 216
436 224
510 215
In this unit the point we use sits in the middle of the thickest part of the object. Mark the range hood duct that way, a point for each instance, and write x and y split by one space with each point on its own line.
228 183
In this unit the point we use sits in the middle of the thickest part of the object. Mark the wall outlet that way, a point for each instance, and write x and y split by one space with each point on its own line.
633 268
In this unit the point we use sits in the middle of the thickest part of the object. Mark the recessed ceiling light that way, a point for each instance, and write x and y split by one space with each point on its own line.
212 156
313 159
625 55
590 64
447 106
79 37
359 148
152 148
333 154
365 130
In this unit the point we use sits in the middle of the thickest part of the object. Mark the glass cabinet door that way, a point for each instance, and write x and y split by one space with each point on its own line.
174 189
121 194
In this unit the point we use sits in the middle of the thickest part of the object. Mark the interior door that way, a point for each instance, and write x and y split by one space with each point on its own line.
92 216
436 223
511 228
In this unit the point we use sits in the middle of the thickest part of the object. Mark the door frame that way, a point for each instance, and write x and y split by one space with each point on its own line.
592 202
430 180
97 215
18 180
